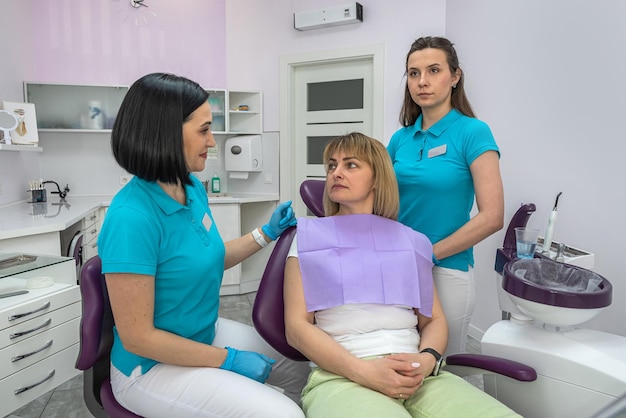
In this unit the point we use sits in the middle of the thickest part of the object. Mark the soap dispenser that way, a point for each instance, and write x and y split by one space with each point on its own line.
215 184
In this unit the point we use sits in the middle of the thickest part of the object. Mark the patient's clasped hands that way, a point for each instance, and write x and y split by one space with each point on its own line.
256 366
392 375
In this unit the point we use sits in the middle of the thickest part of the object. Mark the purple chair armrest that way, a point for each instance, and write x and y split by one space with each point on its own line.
510 368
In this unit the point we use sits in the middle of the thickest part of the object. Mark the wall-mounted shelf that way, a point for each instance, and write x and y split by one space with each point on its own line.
27 148
65 107
228 120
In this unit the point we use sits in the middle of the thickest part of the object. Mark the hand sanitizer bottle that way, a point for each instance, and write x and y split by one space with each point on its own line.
215 184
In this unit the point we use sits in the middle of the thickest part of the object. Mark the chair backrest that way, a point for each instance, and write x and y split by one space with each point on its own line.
312 193
268 312
96 325
96 340
75 250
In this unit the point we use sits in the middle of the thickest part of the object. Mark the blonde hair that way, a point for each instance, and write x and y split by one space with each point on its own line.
373 153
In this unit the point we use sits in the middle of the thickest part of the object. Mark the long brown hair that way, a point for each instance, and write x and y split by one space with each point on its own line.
373 153
410 110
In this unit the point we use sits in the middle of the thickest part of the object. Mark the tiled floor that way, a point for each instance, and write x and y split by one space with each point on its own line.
66 401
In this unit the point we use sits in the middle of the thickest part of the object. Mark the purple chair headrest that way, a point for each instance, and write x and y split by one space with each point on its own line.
312 193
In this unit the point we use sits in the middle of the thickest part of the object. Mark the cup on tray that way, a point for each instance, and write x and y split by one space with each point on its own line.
526 241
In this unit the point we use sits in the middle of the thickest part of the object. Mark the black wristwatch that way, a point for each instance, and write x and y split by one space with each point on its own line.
438 358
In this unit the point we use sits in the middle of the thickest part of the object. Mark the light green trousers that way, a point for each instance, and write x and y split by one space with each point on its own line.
328 395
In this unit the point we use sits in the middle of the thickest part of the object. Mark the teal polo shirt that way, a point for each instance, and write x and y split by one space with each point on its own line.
434 178
147 232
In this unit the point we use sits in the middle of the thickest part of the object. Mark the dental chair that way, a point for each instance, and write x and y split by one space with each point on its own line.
269 320
96 340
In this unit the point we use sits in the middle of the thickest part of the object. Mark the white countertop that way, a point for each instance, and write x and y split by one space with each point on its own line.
22 219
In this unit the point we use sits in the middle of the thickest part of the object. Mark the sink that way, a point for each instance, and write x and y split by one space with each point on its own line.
555 293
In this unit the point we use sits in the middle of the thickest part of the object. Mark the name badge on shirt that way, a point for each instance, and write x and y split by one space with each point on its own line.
440 150
207 222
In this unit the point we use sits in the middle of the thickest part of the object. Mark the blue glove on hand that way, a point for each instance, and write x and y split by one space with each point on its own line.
282 218
248 363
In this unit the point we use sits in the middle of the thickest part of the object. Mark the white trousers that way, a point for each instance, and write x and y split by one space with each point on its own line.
173 391
457 292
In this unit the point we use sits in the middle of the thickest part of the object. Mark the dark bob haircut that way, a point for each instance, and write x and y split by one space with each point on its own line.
147 137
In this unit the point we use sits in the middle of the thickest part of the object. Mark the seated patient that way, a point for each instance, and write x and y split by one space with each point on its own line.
360 301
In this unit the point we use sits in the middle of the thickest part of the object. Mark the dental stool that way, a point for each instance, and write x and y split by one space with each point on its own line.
269 319
96 340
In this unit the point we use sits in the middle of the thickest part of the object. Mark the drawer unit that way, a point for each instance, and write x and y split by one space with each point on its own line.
39 330
89 226
32 382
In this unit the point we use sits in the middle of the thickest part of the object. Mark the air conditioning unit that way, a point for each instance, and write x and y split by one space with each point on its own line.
330 16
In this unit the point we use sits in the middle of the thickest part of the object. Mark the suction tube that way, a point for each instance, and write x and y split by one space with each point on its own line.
547 240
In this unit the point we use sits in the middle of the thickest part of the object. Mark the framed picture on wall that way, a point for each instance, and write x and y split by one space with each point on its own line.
26 131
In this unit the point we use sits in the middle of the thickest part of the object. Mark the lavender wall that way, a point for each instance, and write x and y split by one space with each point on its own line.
108 42
99 42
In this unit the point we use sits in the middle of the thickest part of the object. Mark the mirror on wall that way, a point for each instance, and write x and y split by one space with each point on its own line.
8 123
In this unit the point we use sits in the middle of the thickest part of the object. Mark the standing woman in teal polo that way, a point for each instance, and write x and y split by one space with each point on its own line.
444 158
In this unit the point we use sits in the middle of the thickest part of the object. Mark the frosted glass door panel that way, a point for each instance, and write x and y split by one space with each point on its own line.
335 95
338 101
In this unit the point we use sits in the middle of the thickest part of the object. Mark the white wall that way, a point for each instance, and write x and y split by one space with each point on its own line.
14 61
548 77
258 35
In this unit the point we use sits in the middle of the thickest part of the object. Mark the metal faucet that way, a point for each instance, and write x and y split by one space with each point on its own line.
61 193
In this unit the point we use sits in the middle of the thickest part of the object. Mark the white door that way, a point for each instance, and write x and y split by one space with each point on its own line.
330 99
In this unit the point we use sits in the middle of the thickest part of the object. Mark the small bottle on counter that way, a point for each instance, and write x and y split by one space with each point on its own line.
215 184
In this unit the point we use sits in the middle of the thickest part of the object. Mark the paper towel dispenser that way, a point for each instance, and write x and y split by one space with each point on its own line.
244 153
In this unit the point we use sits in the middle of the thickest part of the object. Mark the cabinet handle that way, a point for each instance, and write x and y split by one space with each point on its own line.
21 334
25 388
93 231
92 218
95 245
23 356
22 315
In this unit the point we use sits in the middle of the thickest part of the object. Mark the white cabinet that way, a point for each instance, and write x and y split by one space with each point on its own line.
67 108
236 112
39 331
89 226
233 220
244 112
227 219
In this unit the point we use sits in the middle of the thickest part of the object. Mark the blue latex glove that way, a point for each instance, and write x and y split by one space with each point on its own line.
256 366
282 218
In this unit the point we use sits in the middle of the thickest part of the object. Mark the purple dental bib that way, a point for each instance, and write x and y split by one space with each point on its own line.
364 259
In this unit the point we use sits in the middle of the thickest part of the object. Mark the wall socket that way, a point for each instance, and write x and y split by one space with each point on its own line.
125 178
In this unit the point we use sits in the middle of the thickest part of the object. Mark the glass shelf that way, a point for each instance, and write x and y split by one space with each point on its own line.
18 263
11 147
65 107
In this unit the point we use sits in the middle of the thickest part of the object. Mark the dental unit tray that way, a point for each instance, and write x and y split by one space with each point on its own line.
16 261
